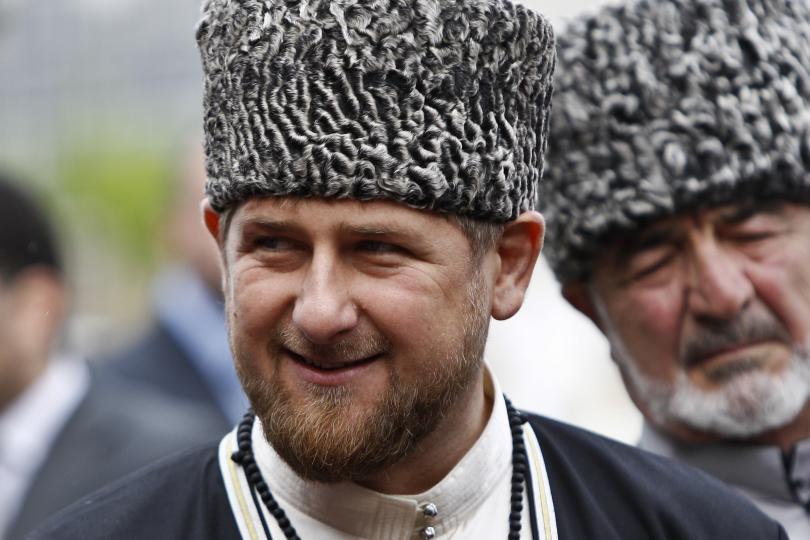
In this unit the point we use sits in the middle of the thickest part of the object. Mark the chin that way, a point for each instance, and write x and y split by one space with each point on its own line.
747 404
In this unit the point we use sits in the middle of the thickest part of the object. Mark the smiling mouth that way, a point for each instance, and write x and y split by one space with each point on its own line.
332 366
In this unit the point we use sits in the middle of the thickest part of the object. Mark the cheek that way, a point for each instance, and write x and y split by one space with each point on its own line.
412 311
255 307
649 324
784 287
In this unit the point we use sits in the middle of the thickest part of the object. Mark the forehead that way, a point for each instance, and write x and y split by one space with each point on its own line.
623 244
316 215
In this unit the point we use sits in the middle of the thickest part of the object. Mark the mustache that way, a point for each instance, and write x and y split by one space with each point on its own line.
356 346
715 336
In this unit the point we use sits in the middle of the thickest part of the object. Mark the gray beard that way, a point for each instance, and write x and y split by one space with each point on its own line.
750 403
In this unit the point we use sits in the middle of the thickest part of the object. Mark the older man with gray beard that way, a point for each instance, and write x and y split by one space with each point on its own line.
678 221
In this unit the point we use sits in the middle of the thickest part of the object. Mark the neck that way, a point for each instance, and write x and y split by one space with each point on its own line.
787 436
15 384
784 437
436 455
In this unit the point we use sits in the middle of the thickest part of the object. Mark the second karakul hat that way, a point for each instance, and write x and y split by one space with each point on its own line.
663 106
438 105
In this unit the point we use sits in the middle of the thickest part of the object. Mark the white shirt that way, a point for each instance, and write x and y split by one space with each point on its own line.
29 426
473 500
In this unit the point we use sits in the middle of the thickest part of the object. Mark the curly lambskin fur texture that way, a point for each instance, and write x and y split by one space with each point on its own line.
664 106
440 105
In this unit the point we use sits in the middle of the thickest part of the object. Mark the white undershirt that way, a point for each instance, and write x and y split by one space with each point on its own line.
473 500
29 426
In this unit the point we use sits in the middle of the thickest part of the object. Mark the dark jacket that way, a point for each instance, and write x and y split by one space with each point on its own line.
116 429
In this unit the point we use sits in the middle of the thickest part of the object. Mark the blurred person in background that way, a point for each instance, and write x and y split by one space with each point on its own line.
677 199
372 196
185 353
63 431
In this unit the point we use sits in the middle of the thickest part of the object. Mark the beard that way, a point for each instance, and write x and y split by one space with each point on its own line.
749 399
327 436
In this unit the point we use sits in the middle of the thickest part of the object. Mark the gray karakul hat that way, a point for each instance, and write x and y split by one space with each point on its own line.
437 104
665 106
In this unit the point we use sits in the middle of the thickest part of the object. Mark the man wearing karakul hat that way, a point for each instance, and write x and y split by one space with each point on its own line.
373 168
676 197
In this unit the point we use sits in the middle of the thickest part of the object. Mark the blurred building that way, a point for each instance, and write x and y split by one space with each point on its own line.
74 68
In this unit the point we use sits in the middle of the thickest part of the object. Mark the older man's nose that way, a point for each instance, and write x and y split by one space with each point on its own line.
324 309
718 285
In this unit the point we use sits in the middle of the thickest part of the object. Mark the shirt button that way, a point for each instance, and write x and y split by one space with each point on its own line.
428 533
430 510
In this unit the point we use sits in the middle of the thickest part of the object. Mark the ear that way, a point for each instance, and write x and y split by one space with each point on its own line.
517 250
212 219
579 295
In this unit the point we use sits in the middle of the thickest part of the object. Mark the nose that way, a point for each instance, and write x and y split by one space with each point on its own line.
324 310
718 285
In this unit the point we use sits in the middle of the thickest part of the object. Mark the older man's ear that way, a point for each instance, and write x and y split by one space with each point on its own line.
517 252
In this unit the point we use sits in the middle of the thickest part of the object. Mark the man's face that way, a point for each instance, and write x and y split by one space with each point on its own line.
10 356
354 326
708 316
32 305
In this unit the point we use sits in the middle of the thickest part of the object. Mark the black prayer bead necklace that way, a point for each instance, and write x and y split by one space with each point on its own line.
245 458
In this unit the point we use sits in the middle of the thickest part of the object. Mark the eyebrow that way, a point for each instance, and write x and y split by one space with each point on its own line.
270 225
379 230
635 244
742 212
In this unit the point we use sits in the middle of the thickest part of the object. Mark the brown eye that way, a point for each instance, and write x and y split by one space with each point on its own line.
273 243
652 268
371 246
648 263
750 237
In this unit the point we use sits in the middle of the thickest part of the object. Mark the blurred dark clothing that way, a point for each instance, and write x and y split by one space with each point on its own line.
157 362
185 353
116 429
777 482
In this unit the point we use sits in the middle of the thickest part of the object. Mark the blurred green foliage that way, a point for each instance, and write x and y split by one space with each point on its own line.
116 193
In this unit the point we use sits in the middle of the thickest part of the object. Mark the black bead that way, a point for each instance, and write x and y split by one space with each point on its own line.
245 458
518 470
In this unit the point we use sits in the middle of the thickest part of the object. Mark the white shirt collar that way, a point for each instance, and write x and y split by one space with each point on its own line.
365 513
29 426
